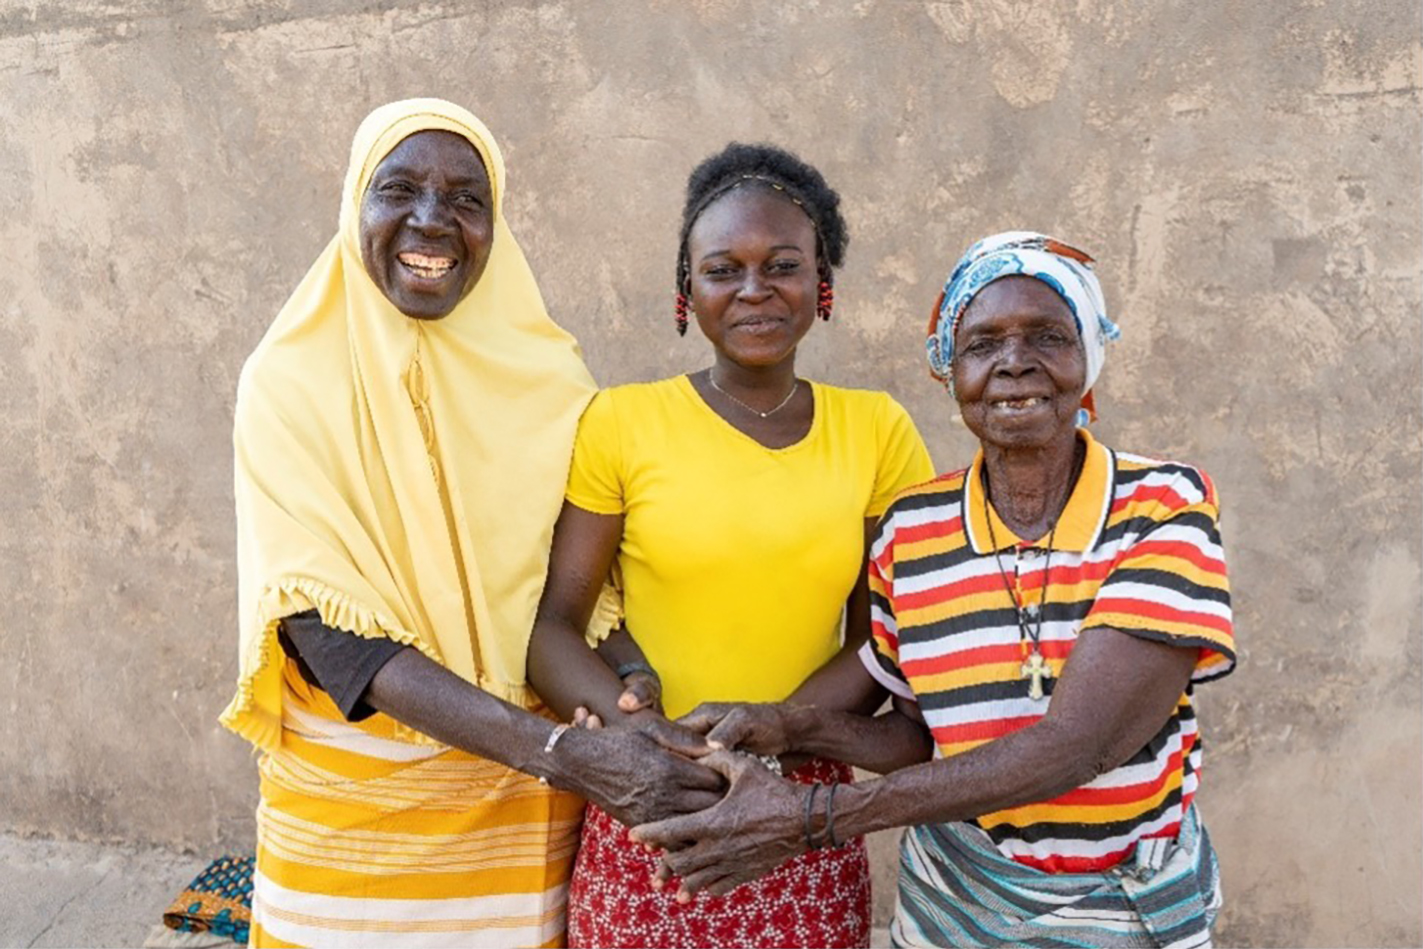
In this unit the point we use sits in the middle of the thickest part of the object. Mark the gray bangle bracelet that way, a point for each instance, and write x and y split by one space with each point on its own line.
628 668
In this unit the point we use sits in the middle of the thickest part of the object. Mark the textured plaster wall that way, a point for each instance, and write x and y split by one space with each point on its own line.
1247 173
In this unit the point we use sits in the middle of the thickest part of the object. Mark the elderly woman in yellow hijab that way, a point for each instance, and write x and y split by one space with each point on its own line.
403 436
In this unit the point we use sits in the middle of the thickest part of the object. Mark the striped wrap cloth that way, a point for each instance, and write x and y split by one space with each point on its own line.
957 889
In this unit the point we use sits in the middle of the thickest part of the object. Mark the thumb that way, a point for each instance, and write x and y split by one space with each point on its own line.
726 763
730 732
639 692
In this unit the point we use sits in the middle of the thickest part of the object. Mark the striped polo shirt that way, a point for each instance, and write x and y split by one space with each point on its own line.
1137 548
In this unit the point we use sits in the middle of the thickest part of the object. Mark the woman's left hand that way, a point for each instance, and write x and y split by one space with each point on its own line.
755 828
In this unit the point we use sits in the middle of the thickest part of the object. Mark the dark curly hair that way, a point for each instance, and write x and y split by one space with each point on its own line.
766 166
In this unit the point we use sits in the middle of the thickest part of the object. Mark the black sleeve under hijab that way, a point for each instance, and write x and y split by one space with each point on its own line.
339 663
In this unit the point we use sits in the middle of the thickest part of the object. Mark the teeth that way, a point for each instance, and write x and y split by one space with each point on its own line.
427 266
1019 403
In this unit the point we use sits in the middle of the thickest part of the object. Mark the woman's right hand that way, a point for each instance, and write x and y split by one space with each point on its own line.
763 729
632 776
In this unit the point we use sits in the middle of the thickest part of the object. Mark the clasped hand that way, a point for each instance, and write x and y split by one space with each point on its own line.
644 768
755 827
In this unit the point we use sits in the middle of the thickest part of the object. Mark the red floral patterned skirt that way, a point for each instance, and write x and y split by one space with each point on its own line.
821 898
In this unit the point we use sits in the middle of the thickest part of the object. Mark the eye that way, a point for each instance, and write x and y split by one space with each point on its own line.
784 266
1054 338
718 270
979 346
396 188
468 199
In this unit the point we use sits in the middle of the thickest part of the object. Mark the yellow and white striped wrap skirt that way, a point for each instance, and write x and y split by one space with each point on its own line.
367 840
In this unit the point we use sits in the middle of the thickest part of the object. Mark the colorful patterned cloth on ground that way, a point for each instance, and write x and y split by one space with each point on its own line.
818 899
219 900
956 889
364 840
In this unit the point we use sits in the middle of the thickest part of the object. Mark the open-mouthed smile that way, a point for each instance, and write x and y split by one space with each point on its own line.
425 266
1018 405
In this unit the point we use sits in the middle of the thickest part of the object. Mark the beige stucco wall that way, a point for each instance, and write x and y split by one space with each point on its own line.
1247 173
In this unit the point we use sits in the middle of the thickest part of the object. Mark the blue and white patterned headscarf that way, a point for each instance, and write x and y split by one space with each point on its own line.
1066 269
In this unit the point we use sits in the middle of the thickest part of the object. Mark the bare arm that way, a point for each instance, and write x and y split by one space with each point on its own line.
1116 691
562 669
625 773
642 687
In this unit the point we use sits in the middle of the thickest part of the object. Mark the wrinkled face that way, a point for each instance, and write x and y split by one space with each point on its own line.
427 223
1019 368
753 276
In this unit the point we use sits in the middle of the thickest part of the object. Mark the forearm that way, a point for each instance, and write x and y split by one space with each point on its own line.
1038 763
620 649
841 685
881 744
567 674
424 695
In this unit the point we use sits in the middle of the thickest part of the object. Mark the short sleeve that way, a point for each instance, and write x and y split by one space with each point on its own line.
595 479
339 663
903 460
880 653
1170 585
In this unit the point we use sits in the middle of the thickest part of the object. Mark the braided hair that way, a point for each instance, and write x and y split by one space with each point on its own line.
764 166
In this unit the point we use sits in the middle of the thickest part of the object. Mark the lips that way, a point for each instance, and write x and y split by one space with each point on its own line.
759 324
426 266
1025 404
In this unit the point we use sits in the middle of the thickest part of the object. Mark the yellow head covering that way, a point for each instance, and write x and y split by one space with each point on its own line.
402 476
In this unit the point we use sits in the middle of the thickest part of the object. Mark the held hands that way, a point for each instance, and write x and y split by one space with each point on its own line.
757 826
763 729
644 768
633 777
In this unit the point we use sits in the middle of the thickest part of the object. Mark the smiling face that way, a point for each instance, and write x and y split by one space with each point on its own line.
753 276
1019 368
427 224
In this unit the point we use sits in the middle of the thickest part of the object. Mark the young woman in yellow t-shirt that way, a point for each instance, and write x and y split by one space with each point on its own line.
734 503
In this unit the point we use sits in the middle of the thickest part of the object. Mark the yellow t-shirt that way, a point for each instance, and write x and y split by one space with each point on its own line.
737 559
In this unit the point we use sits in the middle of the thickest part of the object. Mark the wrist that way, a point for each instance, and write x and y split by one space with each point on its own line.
628 668
798 727
556 763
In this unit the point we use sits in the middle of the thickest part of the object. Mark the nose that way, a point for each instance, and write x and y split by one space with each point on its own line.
431 215
1016 357
753 287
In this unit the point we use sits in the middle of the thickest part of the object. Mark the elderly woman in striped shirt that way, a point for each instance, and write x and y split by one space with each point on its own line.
1044 615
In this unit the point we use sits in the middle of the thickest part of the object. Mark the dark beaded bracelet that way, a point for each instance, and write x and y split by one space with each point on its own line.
809 811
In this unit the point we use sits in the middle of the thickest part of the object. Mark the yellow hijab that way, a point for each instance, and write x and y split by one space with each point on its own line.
401 476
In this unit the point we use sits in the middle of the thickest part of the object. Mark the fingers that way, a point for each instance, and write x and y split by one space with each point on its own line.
674 737
713 881
704 717
705 867
692 801
727 764
670 832
640 691
691 775
582 718
731 731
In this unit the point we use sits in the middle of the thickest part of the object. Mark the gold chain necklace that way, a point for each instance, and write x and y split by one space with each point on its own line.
766 414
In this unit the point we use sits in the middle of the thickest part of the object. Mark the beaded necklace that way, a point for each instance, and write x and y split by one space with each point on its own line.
1034 666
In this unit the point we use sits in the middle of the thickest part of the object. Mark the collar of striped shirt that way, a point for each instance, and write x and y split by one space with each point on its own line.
1081 521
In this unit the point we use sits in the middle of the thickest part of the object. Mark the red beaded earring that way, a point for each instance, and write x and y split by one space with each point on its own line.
826 302
681 310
